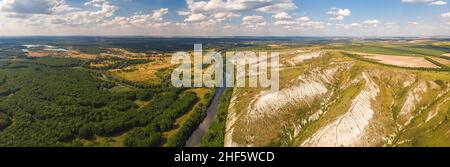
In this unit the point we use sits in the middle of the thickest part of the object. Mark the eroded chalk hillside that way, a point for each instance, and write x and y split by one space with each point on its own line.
328 99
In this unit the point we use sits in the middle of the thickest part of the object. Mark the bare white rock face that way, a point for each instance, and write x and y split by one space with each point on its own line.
268 102
229 127
414 97
434 112
315 86
304 56
348 129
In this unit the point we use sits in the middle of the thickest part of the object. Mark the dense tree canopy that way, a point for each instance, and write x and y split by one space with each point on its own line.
50 103
162 122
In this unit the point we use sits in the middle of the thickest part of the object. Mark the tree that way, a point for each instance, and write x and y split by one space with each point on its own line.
5 121
142 137
86 131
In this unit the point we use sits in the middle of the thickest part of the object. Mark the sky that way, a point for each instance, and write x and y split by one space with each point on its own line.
216 18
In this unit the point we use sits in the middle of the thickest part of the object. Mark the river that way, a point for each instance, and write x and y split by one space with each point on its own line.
196 137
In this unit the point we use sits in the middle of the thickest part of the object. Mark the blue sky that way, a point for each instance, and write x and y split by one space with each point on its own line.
225 17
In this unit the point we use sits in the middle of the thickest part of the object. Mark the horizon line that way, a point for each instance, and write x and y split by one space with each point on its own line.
235 36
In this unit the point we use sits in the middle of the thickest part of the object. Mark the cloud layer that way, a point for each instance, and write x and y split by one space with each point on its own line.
205 17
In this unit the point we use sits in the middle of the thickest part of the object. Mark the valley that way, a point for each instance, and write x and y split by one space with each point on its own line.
105 92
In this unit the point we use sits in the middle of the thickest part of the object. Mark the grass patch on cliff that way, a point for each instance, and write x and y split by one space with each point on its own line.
340 106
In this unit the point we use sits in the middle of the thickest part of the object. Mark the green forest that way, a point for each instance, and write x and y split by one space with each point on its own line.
57 102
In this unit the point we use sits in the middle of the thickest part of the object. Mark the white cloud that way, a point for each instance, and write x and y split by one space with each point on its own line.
28 7
304 18
416 1
312 24
183 13
438 3
282 16
355 25
210 12
364 24
221 16
59 13
105 10
157 14
277 6
390 23
445 15
269 6
430 2
348 26
288 22
154 19
339 14
304 25
195 17
96 3
285 22
253 21
372 22
344 12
